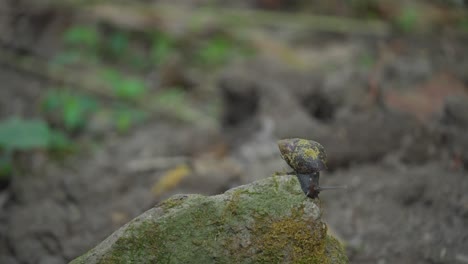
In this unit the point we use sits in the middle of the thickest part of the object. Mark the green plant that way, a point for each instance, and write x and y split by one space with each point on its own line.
58 141
161 48
463 24
215 51
125 87
118 43
220 49
125 118
72 109
80 35
67 57
21 134
408 19
6 165
81 44
18 134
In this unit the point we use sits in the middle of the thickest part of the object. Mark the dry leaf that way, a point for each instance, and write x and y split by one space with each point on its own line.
170 179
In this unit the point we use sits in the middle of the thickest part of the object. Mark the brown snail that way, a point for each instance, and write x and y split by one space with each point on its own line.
307 158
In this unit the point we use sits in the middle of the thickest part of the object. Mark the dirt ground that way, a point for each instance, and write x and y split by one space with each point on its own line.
394 130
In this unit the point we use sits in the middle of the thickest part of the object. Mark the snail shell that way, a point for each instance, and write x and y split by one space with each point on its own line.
304 156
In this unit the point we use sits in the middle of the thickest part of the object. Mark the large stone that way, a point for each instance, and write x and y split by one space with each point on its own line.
268 221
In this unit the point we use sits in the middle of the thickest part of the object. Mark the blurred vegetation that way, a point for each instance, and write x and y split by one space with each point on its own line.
162 46
117 74
126 88
407 19
70 110
121 59
20 135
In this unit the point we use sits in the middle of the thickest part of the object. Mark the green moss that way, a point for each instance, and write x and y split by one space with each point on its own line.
140 244
275 180
271 199
232 206
335 250
190 235
172 202
292 240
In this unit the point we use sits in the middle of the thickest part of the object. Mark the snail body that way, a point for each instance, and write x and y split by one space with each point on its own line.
307 158
310 184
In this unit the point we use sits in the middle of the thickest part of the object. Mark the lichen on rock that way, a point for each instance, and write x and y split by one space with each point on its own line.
268 221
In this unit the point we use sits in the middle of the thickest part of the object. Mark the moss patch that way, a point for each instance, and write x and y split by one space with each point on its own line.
173 202
141 244
292 240
335 250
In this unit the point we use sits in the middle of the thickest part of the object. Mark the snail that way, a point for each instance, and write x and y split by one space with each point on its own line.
307 158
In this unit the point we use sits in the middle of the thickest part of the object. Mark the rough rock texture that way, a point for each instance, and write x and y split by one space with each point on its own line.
269 221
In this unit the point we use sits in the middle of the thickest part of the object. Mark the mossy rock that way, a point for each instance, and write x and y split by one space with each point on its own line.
269 221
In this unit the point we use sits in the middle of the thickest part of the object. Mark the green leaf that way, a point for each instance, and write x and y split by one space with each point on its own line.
6 165
215 51
111 76
81 35
123 123
463 24
118 43
162 47
72 108
52 101
73 114
131 88
19 134
126 117
67 57
138 61
124 87
59 141
408 19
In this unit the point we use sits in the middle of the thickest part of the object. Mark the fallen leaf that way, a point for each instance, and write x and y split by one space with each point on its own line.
170 179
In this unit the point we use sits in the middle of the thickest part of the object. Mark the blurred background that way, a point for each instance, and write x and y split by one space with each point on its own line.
109 107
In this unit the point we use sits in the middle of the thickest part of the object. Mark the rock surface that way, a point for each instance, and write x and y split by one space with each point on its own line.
268 221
